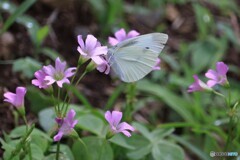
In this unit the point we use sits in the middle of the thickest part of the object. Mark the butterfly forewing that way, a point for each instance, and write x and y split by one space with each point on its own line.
134 58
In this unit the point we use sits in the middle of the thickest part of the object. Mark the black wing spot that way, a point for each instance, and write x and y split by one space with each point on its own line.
146 47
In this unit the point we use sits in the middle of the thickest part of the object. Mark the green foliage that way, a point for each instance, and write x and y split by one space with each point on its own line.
98 148
28 66
16 13
152 143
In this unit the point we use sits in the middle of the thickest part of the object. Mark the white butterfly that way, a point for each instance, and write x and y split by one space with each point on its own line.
134 58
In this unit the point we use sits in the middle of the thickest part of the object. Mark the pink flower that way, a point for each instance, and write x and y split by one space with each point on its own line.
16 99
198 85
157 66
103 66
66 126
219 76
58 74
114 119
121 35
39 81
91 49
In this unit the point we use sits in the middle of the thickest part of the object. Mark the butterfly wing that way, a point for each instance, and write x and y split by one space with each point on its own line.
134 58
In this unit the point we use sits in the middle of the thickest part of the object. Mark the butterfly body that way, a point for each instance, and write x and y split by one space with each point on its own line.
134 58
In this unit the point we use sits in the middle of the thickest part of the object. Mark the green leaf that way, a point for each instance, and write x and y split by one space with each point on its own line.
47 116
160 133
37 152
35 139
143 130
21 130
65 152
142 145
28 66
46 119
228 31
140 152
177 103
53 156
37 99
98 148
18 12
50 53
191 147
204 20
42 34
121 140
91 123
164 150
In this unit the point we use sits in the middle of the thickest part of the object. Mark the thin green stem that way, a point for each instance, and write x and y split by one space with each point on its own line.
21 143
58 150
72 80
80 78
229 134
130 98
25 121
231 120
58 103
55 105
28 143
219 94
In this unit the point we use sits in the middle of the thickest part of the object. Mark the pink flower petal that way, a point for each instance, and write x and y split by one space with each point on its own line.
36 82
108 117
112 41
49 70
80 41
74 123
80 50
98 60
70 72
126 133
10 97
132 33
124 126
71 114
211 83
64 80
212 74
195 86
20 94
221 68
116 117
60 66
100 51
104 67
58 137
91 42
156 67
120 35
49 80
